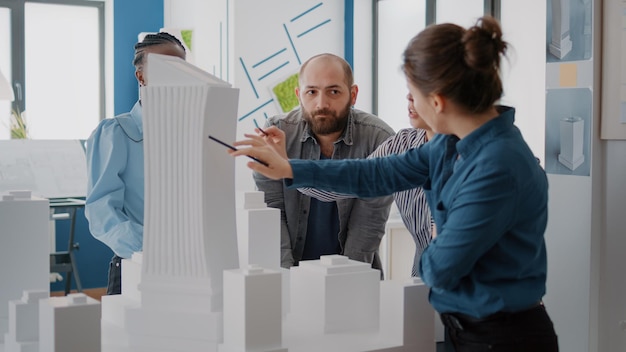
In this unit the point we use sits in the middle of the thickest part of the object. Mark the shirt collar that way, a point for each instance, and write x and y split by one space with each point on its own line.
487 131
346 136
137 115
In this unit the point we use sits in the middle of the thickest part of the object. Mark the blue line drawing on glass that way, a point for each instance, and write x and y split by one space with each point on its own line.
280 60
274 70
258 125
269 57
255 110
249 79
292 45
306 11
313 28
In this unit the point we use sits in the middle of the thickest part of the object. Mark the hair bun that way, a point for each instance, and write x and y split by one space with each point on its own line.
483 45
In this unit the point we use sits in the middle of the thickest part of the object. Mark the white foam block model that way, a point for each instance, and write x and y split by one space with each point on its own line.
69 323
252 311
572 133
189 217
334 294
25 249
23 335
258 231
561 43
113 325
258 237
405 319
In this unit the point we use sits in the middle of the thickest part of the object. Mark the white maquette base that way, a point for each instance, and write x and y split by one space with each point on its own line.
561 50
572 164
128 324
406 324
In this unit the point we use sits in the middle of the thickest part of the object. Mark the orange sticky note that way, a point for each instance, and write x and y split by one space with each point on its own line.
567 75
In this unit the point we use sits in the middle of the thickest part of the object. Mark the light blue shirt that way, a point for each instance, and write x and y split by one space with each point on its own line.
488 196
115 190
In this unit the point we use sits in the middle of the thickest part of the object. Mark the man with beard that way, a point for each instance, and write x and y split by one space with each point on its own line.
325 126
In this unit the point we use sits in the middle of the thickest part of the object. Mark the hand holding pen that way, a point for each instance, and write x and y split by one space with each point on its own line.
235 149
268 149
273 137
258 128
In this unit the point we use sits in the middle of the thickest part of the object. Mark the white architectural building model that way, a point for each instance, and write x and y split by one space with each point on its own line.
69 323
25 249
560 42
189 218
252 311
572 134
23 335
257 226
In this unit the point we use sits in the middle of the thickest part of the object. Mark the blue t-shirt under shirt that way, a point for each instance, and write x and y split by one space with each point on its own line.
322 233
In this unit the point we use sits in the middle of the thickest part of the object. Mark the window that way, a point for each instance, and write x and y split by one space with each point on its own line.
55 63
397 21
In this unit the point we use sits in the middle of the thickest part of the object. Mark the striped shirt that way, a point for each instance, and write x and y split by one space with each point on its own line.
411 203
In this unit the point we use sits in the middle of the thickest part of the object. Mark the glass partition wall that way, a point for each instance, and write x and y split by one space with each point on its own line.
396 22
52 51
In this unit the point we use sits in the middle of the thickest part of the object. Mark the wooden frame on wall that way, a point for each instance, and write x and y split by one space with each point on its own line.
613 115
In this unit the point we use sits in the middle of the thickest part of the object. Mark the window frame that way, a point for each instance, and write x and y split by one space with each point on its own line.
18 48
491 7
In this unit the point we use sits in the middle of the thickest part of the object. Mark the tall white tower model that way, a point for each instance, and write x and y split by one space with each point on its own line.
189 218
572 132
561 42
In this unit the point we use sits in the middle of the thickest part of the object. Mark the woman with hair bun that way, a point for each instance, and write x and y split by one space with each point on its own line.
486 266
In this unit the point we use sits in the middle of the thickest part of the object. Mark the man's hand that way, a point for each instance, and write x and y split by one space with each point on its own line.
270 149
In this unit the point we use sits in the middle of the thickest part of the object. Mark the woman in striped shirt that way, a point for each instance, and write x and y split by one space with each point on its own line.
411 203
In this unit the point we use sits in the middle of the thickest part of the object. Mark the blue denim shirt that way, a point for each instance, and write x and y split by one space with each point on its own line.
115 193
488 196
362 221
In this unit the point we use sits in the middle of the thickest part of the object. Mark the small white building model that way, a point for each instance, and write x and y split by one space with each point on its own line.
561 42
340 305
25 249
572 132
69 323
252 311
257 229
23 335
333 295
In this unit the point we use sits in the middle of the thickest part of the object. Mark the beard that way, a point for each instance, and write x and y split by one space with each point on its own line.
333 121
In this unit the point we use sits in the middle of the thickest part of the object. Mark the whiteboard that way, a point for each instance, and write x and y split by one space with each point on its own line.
48 168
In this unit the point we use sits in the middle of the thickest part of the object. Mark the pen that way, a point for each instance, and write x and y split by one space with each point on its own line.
260 129
233 148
